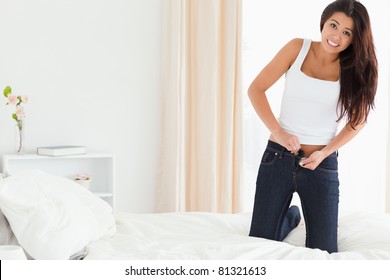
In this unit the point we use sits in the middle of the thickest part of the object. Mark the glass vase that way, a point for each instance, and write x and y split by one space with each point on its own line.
20 139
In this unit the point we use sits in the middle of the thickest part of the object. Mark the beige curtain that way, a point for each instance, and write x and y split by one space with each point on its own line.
201 145
388 175
387 192
387 201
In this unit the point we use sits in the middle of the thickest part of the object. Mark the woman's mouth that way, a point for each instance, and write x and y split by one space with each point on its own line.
333 44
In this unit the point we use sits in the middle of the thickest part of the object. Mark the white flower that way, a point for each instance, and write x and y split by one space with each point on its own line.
19 112
82 177
12 99
18 101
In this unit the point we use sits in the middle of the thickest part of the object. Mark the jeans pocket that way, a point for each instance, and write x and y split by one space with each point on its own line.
269 158
328 165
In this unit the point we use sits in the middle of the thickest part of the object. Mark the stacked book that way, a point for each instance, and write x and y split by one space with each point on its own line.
61 150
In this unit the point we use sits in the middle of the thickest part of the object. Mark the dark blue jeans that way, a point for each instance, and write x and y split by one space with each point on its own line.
280 175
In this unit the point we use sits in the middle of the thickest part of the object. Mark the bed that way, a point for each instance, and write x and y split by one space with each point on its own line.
52 217
208 236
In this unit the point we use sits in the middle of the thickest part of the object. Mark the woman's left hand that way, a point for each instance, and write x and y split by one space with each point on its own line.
313 160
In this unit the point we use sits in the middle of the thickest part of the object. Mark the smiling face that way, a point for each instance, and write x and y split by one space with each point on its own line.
337 33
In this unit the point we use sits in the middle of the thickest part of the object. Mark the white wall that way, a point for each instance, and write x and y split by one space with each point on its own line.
267 27
91 70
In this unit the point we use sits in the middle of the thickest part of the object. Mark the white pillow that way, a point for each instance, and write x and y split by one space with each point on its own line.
53 217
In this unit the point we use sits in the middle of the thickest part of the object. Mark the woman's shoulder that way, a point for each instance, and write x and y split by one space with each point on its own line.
292 48
295 44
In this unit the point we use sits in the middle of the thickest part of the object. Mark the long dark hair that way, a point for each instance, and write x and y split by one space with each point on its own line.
358 63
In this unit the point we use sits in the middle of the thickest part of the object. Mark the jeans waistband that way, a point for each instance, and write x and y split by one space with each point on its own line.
283 151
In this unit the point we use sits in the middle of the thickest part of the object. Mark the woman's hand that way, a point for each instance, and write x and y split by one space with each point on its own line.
287 140
313 160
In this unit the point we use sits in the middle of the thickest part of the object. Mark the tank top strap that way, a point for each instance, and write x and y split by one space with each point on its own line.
302 54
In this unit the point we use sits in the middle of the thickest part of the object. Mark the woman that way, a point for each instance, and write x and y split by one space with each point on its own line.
326 82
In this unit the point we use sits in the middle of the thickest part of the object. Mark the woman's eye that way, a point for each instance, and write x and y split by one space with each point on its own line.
332 25
346 33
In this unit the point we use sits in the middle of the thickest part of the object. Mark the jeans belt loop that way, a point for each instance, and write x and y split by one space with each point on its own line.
281 154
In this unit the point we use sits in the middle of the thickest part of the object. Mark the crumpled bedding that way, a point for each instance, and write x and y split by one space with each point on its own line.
208 236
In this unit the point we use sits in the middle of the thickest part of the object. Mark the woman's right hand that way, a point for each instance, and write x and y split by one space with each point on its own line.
287 140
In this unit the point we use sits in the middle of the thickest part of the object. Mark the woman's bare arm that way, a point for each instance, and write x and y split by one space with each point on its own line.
264 80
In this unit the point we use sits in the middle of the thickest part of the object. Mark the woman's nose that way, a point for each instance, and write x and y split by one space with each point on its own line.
336 38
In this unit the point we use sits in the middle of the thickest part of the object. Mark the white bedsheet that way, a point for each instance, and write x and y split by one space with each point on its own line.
225 236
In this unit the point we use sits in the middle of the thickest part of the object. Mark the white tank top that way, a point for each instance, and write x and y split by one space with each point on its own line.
309 105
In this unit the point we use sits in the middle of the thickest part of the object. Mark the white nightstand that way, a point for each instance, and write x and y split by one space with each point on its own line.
12 252
100 166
